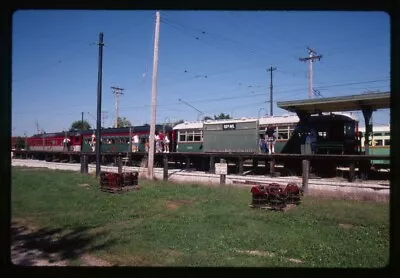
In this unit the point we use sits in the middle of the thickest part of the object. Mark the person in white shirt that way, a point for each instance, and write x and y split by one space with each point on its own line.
166 143
158 145
135 146
66 144
93 142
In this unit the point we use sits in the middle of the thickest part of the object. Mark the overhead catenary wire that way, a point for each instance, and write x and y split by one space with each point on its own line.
278 92
213 43
218 37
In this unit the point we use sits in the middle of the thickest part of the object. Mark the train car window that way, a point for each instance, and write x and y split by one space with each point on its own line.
182 136
349 130
387 142
197 136
190 136
378 142
283 135
322 134
377 134
291 130
386 134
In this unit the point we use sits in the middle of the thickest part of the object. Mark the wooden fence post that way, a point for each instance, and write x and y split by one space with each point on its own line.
255 165
84 164
119 162
212 165
165 173
305 174
187 163
272 167
241 164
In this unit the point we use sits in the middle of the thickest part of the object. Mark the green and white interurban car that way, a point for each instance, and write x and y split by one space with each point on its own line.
335 134
334 131
232 135
379 144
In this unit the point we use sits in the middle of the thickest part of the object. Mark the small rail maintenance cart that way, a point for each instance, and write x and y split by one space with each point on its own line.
119 182
276 196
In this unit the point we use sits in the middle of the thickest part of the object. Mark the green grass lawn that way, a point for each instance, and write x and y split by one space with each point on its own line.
167 224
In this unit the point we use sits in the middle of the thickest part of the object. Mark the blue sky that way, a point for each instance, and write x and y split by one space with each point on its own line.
216 61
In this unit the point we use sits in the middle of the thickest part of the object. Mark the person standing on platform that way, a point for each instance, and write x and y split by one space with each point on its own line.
157 142
146 145
271 138
166 143
66 144
93 142
262 146
135 143
313 140
161 140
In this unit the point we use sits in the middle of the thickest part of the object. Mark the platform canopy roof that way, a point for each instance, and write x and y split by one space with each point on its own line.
338 104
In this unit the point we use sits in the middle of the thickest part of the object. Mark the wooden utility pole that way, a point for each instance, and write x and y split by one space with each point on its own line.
311 59
117 91
82 131
153 99
99 87
271 103
82 123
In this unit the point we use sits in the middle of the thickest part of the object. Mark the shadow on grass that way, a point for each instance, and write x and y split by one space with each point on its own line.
52 246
